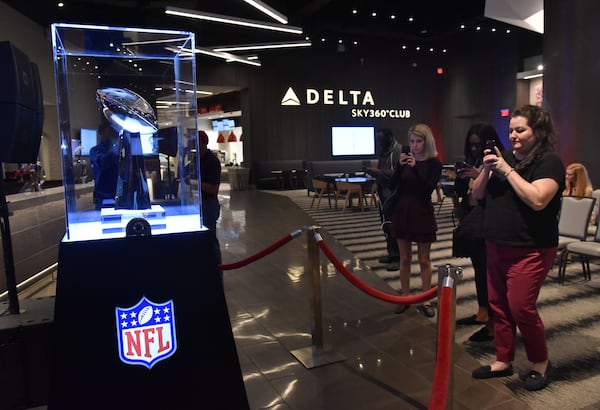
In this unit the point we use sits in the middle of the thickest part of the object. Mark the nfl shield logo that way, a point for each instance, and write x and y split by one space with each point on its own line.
146 332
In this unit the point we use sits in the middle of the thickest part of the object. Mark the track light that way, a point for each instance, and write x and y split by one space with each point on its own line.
219 18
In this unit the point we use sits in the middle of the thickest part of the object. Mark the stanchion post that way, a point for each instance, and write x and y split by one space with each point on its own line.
316 305
448 275
315 355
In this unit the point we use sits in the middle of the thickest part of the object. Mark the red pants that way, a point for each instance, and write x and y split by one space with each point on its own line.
515 277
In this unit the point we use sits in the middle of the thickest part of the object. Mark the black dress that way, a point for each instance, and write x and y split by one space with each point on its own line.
413 218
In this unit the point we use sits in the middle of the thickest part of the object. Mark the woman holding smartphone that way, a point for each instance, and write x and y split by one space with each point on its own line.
413 217
522 188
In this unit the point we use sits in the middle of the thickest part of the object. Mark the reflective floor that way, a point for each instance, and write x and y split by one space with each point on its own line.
387 359
359 356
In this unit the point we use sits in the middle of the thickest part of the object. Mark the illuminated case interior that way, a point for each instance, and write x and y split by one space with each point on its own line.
157 65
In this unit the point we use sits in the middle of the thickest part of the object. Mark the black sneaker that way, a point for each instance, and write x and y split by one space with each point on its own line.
385 259
427 310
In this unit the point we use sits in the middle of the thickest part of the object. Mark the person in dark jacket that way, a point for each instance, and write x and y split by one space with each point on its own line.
388 160
475 140
104 159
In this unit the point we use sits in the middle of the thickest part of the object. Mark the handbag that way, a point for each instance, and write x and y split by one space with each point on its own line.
468 230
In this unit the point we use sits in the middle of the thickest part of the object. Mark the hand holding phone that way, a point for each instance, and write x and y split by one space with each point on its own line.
405 154
490 145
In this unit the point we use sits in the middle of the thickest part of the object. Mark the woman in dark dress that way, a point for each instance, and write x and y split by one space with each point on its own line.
413 217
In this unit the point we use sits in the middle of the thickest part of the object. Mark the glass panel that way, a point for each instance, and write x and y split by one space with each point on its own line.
141 83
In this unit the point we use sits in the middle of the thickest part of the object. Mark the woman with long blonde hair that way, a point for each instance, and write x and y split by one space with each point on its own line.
577 181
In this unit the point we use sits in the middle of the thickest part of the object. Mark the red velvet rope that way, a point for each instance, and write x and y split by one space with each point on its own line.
407 300
264 252
439 391
443 363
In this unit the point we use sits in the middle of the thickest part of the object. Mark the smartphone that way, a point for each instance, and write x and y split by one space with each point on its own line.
461 166
490 144
406 149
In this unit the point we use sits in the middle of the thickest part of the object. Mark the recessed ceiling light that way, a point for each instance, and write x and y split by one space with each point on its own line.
61 4
478 28
493 30
462 26
374 14
393 17
411 19
354 11
507 31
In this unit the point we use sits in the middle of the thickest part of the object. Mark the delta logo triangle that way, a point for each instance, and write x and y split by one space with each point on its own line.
290 98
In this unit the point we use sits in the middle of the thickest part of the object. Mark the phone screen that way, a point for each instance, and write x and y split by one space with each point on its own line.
405 149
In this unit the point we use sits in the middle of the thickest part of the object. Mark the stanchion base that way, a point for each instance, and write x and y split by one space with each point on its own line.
314 357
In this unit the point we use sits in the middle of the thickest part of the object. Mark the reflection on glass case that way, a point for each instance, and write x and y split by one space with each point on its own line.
135 87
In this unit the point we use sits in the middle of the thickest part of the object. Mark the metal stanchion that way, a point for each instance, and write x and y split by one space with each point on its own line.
447 277
316 354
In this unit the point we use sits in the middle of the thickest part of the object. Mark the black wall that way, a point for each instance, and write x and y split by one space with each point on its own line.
479 79
571 65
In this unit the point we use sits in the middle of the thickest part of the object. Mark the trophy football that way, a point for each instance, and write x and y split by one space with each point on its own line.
132 115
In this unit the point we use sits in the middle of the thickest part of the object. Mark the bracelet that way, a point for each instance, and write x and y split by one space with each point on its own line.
508 173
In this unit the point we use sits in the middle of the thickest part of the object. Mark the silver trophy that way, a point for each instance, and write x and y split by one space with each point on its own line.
132 115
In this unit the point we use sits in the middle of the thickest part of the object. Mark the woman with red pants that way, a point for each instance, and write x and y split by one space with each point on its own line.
522 188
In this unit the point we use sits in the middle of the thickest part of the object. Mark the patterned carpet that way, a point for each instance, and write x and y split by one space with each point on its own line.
571 313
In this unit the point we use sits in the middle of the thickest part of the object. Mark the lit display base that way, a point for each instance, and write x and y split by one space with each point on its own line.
98 278
116 220
112 223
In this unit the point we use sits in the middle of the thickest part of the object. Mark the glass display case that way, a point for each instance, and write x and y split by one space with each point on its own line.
139 86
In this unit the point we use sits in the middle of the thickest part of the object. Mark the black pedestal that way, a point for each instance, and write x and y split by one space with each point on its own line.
105 358
25 354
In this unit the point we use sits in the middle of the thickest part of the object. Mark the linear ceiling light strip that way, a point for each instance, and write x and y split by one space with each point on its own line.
264 46
268 10
219 18
227 56
224 56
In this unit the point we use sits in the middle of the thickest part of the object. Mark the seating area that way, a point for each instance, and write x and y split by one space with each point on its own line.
279 174
362 187
321 188
319 169
347 191
573 223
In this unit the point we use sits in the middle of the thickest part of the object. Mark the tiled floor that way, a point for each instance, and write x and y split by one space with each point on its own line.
388 359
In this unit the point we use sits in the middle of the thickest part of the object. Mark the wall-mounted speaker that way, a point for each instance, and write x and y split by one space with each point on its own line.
21 106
